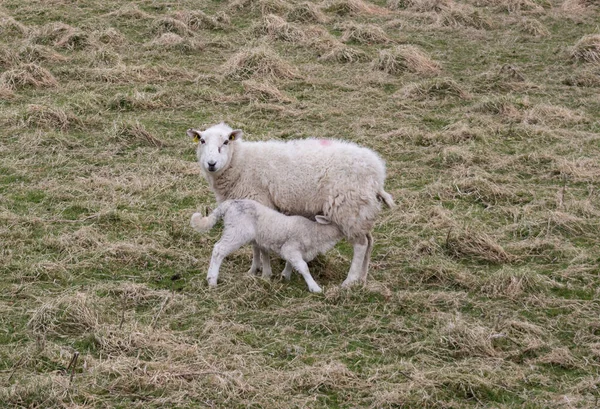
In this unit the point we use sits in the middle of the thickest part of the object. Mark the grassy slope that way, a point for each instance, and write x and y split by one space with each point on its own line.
483 289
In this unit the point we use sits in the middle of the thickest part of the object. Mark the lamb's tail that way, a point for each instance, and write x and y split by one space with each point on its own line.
386 198
204 224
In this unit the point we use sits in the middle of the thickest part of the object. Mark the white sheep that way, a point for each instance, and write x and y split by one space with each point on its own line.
337 179
295 238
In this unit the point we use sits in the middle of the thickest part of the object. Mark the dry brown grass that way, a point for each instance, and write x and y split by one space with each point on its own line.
435 88
344 54
405 58
51 118
533 27
463 15
477 245
587 49
170 25
130 11
263 6
11 27
354 8
265 91
27 75
261 62
276 27
110 36
134 133
363 33
517 6
584 77
307 12
172 41
198 20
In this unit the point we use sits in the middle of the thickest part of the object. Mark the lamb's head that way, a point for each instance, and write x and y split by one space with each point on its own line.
215 146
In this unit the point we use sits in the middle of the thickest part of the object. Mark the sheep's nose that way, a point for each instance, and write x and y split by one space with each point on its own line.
212 164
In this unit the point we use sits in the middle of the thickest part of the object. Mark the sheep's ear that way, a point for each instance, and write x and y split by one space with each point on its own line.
322 219
193 133
235 134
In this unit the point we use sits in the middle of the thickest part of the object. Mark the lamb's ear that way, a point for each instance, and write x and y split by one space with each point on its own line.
322 219
193 133
235 134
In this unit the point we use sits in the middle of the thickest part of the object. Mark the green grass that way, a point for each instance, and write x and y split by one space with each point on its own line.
483 283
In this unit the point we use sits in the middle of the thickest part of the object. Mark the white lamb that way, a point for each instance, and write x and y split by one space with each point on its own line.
310 177
295 238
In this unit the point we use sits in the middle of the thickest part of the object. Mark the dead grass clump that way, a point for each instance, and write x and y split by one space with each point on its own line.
51 33
51 118
74 40
586 77
110 36
574 6
263 6
484 191
344 54
130 11
35 53
504 106
6 93
258 62
561 357
27 75
464 15
104 57
71 314
172 41
276 27
473 245
508 282
8 57
435 88
9 27
307 12
198 20
516 6
405 58
135 101
170 25
423 6
587 49
363 33
533 27
466 339
354 7
551 114
265 91
135 134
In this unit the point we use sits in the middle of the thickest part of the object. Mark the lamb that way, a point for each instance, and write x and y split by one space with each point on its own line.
339 180
295 238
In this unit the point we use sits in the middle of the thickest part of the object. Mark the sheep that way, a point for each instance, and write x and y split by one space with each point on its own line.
295 238
339 180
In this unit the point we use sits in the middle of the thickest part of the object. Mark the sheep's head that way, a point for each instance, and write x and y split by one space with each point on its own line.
215 146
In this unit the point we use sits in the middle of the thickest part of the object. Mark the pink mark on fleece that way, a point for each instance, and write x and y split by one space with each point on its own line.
324 142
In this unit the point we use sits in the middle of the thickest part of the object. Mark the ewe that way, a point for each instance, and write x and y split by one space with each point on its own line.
310 177
295 238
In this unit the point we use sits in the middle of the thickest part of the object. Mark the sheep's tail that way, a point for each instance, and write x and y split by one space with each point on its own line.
386 198
204 224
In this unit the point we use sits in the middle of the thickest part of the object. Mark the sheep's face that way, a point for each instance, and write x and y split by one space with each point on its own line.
215 146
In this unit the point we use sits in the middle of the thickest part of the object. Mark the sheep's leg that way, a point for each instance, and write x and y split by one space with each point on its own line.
256 260
361 246
287 271
230 242
365 267
300 265
266 264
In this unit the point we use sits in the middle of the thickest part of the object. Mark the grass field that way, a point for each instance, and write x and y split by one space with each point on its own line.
484 284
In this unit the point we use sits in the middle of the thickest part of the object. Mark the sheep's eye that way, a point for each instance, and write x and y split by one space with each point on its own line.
225 143
202 141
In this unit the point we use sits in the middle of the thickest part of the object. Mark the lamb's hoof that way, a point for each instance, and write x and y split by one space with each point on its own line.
315 290
252 272
349 283
212 283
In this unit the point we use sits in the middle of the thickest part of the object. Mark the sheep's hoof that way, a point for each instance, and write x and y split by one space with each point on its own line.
315 290
349 283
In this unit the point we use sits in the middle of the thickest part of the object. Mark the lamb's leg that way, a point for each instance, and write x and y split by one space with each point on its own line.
287 271
266 264
230 242
365 268
256 260
300 265
361 246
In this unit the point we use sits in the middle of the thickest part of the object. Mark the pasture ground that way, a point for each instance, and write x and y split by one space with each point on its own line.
484 284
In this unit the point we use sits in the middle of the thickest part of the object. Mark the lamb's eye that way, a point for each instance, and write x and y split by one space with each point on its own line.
226 142
202 141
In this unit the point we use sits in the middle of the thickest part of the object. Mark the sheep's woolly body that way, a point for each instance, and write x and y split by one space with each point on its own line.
294 238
